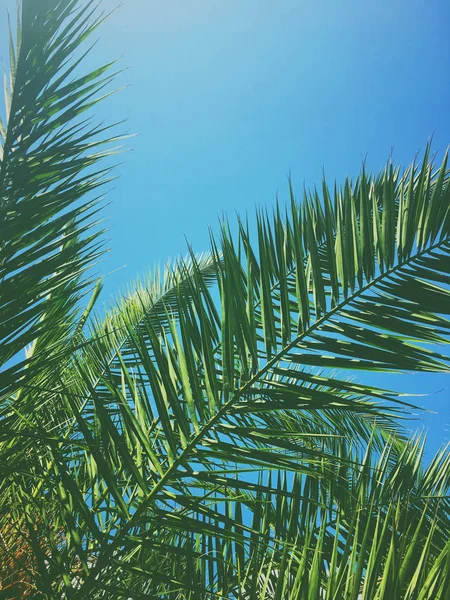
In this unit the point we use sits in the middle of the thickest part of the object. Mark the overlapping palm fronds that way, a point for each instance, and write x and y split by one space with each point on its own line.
206 439
50 177
387 537
242 384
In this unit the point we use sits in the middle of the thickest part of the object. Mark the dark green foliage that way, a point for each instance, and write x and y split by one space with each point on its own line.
205 439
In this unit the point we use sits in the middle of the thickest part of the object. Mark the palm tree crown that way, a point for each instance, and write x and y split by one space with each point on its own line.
207 438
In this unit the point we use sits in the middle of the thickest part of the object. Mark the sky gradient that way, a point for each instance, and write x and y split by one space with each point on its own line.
229 96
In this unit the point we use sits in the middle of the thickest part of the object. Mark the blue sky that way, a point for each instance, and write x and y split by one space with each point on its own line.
228 96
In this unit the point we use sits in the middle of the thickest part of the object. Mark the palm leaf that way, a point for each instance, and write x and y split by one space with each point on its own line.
208 390
199 442
50 175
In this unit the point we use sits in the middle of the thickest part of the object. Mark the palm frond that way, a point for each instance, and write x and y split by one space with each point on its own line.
210 397
50 176
202 442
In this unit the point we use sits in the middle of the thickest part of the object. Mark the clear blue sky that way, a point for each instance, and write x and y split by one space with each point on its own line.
227 96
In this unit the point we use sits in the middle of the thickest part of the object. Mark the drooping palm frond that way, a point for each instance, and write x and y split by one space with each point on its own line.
148 299
51 168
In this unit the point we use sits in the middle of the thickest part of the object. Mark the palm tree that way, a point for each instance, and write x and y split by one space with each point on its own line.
206 438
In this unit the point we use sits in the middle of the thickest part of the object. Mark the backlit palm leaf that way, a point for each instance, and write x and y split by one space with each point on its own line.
212 442
195 408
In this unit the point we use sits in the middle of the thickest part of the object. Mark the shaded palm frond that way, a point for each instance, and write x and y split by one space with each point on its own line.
52 165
